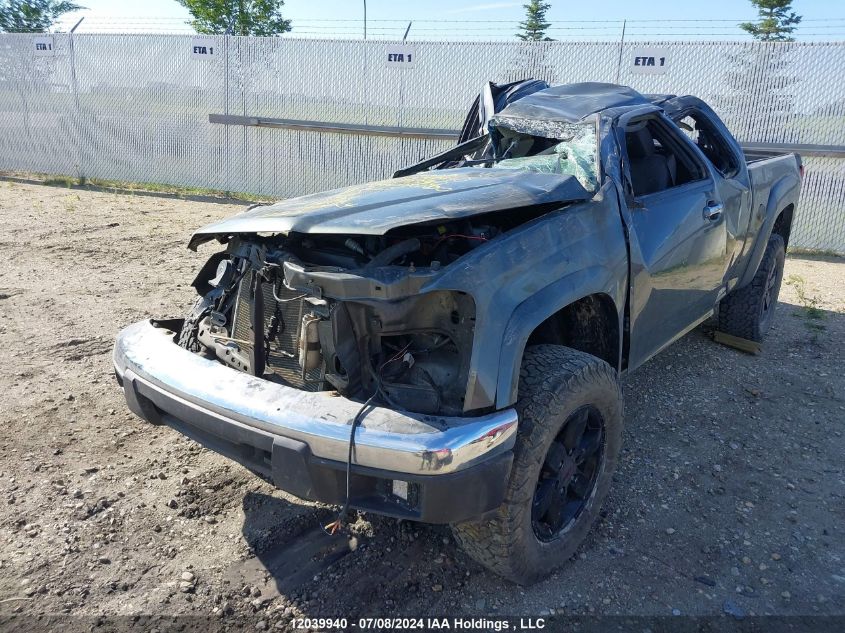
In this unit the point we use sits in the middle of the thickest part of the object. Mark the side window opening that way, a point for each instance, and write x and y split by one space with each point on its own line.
657 160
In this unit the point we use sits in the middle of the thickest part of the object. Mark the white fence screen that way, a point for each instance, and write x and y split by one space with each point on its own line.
136 107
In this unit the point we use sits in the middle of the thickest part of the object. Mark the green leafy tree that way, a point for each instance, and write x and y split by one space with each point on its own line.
777 21
533 29
246 17
32 16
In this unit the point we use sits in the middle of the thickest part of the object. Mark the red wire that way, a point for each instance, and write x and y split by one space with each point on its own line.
396 356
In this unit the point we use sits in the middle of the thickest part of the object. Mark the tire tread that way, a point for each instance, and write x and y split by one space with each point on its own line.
548 374
739 312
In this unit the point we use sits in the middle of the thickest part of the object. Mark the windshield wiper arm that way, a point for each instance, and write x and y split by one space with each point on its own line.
481 161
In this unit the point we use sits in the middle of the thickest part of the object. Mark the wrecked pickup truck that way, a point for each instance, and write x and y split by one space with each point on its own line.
446 346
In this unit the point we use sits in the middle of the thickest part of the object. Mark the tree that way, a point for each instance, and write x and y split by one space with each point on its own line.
32 16
535 25
777 21
758 103
246 17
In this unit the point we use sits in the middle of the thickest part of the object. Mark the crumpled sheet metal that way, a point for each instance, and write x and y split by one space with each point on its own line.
562 130
573 102
377 207
575 251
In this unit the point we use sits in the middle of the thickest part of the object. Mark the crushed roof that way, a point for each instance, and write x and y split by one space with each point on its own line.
573 102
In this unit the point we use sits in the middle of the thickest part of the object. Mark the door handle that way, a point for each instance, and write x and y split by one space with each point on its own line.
713 211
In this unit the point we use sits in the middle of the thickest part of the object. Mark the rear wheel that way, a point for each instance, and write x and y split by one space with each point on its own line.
570 432
748 312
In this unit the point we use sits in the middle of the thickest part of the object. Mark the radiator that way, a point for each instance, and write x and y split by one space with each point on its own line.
283 349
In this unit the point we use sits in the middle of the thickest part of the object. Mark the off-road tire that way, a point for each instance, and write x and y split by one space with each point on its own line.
188 334
748 311
554 382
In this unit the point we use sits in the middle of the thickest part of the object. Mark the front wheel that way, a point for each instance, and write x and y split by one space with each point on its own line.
570 433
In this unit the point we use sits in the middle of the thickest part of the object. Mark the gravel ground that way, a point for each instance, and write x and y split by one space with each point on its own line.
728 498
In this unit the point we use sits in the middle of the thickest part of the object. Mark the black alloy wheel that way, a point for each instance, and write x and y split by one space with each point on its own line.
569 473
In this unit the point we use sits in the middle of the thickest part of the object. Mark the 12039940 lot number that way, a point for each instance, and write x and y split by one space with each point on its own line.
320 624
365 624
421 624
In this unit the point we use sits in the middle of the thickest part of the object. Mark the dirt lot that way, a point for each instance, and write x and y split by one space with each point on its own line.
729 496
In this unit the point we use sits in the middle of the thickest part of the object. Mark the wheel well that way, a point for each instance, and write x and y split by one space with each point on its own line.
589 325
783 224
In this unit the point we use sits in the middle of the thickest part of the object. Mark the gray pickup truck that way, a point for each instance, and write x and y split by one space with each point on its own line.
446 345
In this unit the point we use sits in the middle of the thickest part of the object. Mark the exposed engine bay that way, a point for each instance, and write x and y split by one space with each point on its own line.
346 311
343 313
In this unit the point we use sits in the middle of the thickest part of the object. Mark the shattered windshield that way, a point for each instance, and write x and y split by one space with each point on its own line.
546 146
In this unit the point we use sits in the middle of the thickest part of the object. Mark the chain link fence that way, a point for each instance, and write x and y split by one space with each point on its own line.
137 107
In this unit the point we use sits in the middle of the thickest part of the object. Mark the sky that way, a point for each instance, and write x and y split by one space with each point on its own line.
824 20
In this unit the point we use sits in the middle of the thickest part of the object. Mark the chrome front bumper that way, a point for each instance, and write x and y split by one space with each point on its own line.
163 382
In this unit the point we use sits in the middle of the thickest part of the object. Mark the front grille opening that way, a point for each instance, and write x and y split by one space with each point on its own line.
283 348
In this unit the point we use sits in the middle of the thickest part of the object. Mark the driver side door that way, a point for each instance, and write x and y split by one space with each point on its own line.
677 235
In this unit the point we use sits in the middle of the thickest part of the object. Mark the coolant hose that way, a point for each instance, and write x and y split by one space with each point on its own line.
394 252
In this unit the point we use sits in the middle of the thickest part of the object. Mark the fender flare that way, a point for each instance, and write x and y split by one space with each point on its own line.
781 195
540 306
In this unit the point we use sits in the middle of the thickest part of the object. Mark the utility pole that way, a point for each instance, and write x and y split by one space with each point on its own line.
621 46
365 19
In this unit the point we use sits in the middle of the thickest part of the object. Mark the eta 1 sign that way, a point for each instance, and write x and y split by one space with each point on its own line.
203 48
43 46
400 56
649 61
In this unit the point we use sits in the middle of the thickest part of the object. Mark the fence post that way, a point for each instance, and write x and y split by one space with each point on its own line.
80 174
226 150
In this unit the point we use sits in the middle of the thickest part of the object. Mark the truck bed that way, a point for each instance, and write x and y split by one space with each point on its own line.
757 154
